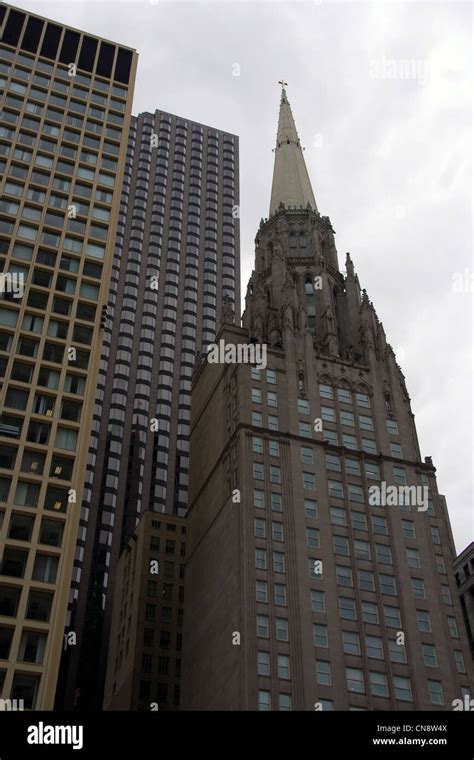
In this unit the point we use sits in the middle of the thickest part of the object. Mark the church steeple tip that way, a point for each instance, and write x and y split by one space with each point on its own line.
291 185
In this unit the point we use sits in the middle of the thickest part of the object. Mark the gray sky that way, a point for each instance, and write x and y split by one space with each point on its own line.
388 149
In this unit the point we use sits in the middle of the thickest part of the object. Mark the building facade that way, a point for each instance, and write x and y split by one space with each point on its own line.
176 259
464 574
144 658
319 550
66 104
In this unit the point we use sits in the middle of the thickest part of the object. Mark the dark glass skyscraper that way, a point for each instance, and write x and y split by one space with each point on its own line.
176 259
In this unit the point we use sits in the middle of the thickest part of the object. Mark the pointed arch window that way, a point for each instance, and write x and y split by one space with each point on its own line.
298 244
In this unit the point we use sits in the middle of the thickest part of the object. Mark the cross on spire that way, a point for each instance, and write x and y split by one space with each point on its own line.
283 83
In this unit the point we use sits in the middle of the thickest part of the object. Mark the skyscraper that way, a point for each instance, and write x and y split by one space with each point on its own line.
319 551
176 258
66 105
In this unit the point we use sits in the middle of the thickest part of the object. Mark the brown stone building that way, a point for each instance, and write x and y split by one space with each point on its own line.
144 658
319 569
464 573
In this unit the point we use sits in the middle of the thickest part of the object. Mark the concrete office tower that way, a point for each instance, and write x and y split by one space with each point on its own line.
66 106
305 590
177 256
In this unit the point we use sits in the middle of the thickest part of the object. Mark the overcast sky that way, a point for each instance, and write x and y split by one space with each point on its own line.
388 149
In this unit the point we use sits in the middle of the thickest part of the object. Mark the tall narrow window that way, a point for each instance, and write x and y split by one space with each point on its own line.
310 303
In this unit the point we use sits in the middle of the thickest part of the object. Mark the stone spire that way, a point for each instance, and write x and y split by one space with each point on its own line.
291 185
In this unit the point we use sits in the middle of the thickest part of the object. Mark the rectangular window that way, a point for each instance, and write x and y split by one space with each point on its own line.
369 446
370 613
355 680
446 595
278 562
395 450
260 528
349 441
372 471
392 617
350 642
323 673
277 531
282 629
320 635
309 481
338 516
359 521
402 689
283 666
341 546
347 419
408 529
388 585
366 423
418 588
397 651
392 427
274 448
435 690
333 462
362 549
280 594
303 406
366 580
326 392
276 502
260 559
344 396
262 626
459 660
344 576
379 525
352 467
257 445
311 508
263 663
424 620
378 684
429 655
275 475
335 489
453 628
259 499
261 591
374 647
384 554
347 608
312 537
318 601
307 455
272 399
328 414
304 429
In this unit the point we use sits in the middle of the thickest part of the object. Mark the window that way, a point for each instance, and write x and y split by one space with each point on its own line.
256 396
307 455
440 564
408 529
323 673
395 450
392 427
45 568
366 423
278 562
280 594
303 406
262 626
51 532
264 702
402 689
429 655
418 588
453 629
384 554
350 642
372 471
446 595
272 399
328 414
435 690
366 580
259 499
271 376
39 606
260 559
424 621
344 395
355 680
326 392
347 608
397 651
263 663
318 601
282 629
344 576
283 666
335 489
330 437
341 546
413 558
320 635
333 462
261 591
272 422
275 475
378 684
349 441
338 516
399 475
459 660
369 446
392 617
356 493
309 481
370 613
374 647
435 535
315 568
347 419
274 448
284 702
260 528
276 502
258 471
257 445
352 467
359 521
388 585
311 508
304 429
312 537
362 549
379 525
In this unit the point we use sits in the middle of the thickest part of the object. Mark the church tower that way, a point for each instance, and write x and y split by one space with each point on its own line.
319 572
